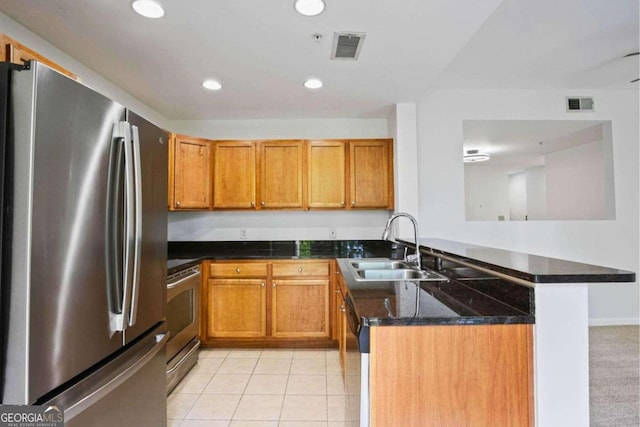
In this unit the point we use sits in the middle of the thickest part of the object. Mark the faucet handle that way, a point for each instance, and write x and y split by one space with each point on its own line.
412 259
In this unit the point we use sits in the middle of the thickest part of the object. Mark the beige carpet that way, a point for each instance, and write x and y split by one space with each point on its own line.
614 376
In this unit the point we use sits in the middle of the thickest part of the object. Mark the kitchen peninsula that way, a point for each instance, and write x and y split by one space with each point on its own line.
544 295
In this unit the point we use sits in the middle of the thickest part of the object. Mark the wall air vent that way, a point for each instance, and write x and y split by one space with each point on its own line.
579 103
347 45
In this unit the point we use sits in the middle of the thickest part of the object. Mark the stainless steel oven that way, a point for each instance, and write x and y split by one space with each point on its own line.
183 323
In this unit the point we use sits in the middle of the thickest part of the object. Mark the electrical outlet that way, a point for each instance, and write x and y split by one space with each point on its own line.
332 233
243 233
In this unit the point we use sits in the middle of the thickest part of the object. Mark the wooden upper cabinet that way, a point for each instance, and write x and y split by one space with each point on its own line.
234 180
371 174
281 174
13 51
191 173
326 177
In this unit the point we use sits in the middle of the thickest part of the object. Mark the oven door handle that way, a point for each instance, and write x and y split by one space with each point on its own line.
179 282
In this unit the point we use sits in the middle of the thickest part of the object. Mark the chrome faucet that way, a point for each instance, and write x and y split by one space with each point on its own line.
387 232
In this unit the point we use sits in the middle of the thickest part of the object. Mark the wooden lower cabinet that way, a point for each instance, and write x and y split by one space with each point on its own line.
237 308
265 302
300 308
463 375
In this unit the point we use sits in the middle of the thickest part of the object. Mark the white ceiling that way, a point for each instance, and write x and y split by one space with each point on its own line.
262 51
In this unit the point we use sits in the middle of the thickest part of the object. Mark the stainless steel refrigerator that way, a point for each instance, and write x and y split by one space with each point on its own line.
83 274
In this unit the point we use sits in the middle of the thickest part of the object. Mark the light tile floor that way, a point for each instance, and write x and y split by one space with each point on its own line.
261 388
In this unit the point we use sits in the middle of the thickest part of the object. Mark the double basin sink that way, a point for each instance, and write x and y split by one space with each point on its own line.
390 270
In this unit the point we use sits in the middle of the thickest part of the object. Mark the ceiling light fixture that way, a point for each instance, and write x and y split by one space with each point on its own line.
309 7
148 8
313 84
475 156
212 85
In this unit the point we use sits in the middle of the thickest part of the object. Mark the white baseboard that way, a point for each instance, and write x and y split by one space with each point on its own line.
614 321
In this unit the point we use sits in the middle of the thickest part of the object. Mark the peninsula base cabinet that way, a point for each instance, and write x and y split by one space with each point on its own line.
451 375
267 303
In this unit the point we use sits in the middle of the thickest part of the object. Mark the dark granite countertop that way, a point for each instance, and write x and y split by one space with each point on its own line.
532 268
452 302
178 264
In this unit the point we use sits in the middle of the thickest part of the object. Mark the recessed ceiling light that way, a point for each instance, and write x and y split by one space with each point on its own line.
313 84
148 8
212 84
309 7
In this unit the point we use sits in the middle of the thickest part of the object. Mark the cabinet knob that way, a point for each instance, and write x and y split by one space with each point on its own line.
353 203
342 309
273 285
262 203
262 284
299 269
177 203
253 205
342 203
238 270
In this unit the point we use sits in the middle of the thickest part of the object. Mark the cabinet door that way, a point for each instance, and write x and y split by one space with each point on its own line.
371 174
326 174
281 174
234 176
236 308
191 173
300 308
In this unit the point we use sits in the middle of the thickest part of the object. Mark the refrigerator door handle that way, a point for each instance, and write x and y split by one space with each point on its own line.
72 409
137 169
114 231
123 130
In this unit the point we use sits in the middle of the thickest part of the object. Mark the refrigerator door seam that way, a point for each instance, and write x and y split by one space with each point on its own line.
137 168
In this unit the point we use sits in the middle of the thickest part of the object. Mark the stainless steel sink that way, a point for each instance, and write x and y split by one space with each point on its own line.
381 264
404 274
390 270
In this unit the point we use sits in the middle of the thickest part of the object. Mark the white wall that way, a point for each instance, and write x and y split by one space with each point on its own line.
283 129
611 243
87 76
576 182
536 193
279 225
518 206
486 192
403 127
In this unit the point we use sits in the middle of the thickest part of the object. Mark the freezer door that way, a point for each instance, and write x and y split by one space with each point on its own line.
62 295
149 295
128 391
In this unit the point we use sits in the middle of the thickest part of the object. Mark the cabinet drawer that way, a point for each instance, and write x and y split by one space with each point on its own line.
297 269
238 269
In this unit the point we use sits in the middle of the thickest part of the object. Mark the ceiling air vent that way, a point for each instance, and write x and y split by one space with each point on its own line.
347 45
580 104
